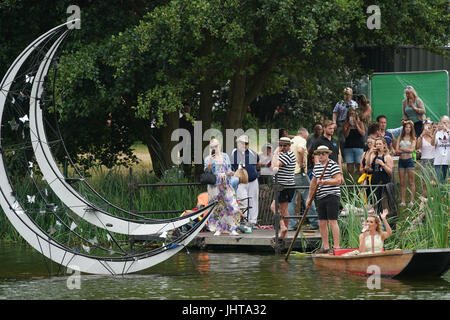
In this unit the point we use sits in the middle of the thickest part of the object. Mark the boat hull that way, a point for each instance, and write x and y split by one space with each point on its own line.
392 263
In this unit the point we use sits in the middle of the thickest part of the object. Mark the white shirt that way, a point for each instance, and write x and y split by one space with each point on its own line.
442 156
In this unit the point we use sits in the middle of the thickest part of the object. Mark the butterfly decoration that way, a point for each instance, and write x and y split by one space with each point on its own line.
29 78
73 226
31 198
24 118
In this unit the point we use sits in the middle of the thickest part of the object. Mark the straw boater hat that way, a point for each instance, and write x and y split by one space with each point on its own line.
322 149
284 140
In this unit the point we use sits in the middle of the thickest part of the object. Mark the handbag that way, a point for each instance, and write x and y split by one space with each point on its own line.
207 178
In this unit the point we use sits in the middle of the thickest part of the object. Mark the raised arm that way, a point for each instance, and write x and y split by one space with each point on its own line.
386 234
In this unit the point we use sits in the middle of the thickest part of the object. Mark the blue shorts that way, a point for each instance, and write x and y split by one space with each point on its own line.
405 164
353 155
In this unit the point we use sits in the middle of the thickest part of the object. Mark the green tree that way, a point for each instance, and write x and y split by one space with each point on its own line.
142 62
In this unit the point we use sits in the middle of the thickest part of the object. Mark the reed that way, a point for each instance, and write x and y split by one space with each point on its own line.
355 207
426 225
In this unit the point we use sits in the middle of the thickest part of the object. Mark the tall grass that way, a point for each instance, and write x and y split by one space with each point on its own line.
356 207
112 185
426 225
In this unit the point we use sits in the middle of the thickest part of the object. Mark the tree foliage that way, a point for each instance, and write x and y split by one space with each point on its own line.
137 63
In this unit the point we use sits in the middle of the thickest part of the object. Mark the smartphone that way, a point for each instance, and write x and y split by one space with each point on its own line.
213 152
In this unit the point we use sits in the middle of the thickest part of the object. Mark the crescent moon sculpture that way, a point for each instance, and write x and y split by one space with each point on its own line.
65 192
45 243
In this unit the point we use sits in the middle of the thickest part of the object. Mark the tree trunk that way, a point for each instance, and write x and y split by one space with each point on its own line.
159 144
206 87
237 110
244 90
206 103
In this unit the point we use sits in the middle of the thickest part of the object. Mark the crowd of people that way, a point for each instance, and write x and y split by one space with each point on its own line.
315 162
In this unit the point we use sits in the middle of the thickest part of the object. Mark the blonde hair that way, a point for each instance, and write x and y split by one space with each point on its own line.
412 90
385 149
379 228
242 174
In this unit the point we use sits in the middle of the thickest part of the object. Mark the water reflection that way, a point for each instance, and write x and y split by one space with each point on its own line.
207 275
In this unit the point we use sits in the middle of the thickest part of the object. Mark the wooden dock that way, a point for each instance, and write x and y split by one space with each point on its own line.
258 240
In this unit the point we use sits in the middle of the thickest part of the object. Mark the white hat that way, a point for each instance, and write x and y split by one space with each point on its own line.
285 140
322 149
243 139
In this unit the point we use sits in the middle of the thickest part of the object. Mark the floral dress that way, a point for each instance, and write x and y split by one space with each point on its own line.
226 215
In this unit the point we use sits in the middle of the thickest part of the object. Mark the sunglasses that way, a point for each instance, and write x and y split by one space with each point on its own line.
283 145
321 153
213 147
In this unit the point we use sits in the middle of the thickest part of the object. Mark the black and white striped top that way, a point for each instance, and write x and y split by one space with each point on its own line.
325 190
286 171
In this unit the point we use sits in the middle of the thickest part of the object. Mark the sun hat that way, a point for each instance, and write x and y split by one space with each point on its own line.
322 149
243 139
285 140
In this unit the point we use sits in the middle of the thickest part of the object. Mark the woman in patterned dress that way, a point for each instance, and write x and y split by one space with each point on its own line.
226 215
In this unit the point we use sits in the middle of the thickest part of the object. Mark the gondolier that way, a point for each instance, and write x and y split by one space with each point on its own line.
327 196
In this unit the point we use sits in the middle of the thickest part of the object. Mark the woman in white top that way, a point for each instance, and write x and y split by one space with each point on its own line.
372 240
442 142
425 146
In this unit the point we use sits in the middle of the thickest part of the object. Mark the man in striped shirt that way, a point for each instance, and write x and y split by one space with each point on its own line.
283 165
327 196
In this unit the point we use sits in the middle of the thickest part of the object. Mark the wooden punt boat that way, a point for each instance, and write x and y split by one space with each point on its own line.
391 263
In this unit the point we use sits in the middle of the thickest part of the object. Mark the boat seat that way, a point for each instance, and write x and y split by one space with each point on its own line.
340 252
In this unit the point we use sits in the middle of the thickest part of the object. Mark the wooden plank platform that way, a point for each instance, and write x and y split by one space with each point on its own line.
258 240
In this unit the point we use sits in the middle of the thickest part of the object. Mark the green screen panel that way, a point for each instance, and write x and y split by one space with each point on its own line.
387 94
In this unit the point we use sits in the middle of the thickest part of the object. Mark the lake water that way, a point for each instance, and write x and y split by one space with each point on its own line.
207 276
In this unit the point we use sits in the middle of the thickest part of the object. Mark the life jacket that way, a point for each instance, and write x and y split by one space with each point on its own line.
202 201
